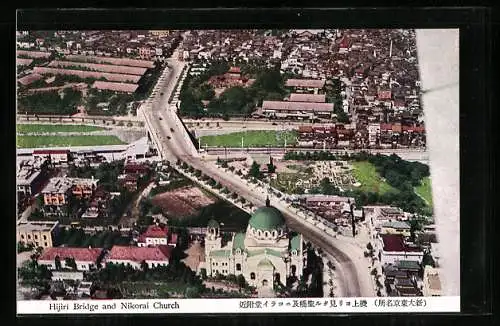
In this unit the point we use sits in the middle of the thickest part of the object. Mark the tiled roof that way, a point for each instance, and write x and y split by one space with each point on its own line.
138 254
314 83
296 106
315 98
119 87
79 254
155 231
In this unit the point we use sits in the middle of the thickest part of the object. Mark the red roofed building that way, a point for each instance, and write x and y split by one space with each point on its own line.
157 235
134 256
85 258
394 248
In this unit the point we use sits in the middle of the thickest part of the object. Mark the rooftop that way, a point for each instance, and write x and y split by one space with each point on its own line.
40 226
79 254
155 231
267 218
395 243
61 185
313 83
296 106
26 176
139 254
396 225
314 98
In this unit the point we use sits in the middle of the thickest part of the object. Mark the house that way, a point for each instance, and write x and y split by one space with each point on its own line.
135 256
56 156
395 227
28 180
39 233
394 248
58 189
432 282
157 235
85 258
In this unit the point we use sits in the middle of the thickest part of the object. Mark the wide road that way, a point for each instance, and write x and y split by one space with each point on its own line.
163 123
408 155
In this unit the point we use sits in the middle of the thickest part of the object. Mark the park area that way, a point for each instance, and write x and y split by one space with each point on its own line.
251 138
425 191
366 174
54 128
65 141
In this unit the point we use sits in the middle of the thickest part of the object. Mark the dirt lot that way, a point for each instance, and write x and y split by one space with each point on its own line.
181 202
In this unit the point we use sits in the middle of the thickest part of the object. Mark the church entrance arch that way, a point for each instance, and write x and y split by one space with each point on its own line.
293 270
277 278
264 282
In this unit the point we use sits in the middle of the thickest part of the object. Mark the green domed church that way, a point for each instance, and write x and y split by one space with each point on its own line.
264 254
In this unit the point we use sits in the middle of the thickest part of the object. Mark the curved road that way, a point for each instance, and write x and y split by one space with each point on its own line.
170 137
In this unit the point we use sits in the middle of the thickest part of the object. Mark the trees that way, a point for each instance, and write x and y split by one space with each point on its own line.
70 262
254 170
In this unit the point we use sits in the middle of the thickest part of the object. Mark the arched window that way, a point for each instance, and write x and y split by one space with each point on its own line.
266 234
238 251
238 267
252 276
275 234
259 233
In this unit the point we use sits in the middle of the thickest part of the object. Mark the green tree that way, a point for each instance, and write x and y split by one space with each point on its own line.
254 170
70 262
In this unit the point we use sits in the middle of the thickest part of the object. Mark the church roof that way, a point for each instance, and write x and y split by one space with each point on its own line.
220 253
239 241
266 251
267 218
213 224
265 263
295 242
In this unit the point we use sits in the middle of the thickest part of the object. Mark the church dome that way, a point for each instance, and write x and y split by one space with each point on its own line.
267 218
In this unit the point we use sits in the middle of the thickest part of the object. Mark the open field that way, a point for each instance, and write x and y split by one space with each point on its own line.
60 141
251 138
366 174
40 128
181 202
425 191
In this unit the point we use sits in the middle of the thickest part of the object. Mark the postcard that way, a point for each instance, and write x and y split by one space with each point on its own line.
222 171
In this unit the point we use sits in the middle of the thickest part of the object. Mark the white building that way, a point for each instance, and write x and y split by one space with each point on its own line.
264 254
156 235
